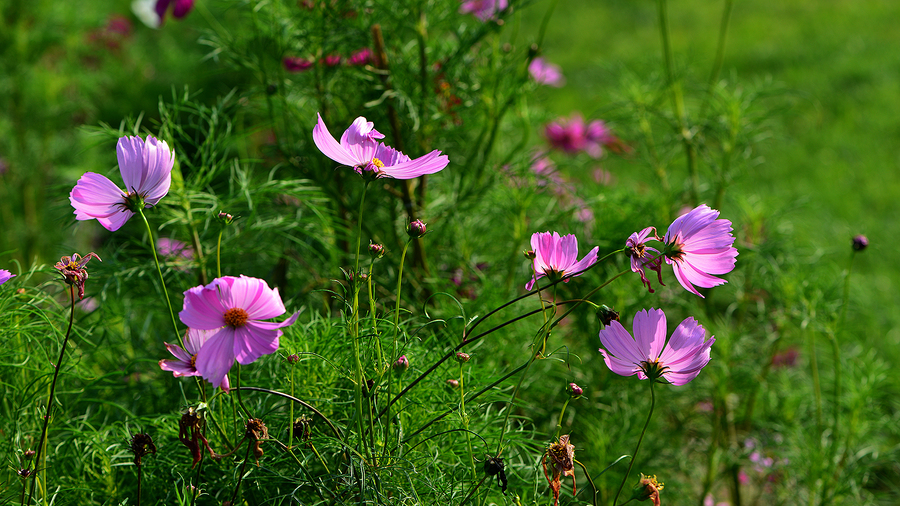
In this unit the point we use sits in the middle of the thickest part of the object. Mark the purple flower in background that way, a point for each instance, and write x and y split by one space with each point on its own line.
544 72
644 256
556 256
647 354
333 60
573 136
181 8
359 148
173 248
294 64
699 245
186 358
361 57
482 9
5 276
236 307
146 168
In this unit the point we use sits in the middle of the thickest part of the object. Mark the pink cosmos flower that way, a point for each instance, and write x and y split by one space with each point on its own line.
555 257
361 57
173 248
647 354
333 60
294 64
544 72
5 276
181 8
359 148
146 168
186 358
236 307
574 136
644 256
699 245
482 9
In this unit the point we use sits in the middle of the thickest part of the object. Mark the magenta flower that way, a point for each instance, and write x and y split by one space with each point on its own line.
544 72
186 358
482 9
333 60
146 168
555 257
648 355
699 245
644 256
236 307
5 276
294 64
359 148
361 57
181 8
173 248
574 136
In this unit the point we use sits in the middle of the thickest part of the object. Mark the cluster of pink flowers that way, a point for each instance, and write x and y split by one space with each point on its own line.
359 148
359 58
573 136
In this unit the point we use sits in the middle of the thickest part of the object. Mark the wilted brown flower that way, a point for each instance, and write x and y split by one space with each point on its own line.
255 431
190 434
562 463
141 446
647 488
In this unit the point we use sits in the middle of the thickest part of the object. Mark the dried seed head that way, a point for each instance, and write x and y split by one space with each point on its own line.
141 446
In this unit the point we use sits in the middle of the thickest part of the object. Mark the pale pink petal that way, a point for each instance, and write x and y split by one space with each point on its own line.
588 260
619 342
115 221
157 175
649 332
253 340
359 140
95 196
426 164
330 147
567 252
130 153
216 356
202 309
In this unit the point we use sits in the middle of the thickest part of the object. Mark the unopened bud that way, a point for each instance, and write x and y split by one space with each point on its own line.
575 390
293 358
376 250
401 365
860 243
225 217
530 254
462 357
607 314
416 229
29 454
452 383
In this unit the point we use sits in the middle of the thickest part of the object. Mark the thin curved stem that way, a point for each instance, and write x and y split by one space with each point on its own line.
640 439
42 441
161 279
306 405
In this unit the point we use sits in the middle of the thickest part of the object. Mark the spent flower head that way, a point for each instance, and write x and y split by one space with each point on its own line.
648 355
359 148
73 270
141 445
562 463
146 168
236 308
556 257
643 256
648 487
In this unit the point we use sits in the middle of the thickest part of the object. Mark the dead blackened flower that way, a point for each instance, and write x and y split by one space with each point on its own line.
73 271
190 433
493 466
647 488
141 446
301 429
562 463
255 432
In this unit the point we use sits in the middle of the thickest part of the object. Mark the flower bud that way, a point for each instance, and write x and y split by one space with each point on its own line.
452 383
376 250
401 365
606 315
293 358
530 254
416 229
29 454
860 243
575 390
462 358
225 217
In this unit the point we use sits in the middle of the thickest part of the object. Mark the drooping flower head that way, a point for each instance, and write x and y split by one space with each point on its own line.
544 72
643 256
556 257
146 168
562 463
5 276
73 270
647 354
236 307
359 148
698 245
185 363
482 9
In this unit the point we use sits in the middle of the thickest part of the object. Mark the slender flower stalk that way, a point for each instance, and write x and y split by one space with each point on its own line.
43 439
640 439
161 278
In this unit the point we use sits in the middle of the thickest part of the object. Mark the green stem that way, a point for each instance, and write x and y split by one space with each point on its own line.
720 47
354 326
387 409
465 420
219 254
640 439
161 279
43 440
814 365
561 414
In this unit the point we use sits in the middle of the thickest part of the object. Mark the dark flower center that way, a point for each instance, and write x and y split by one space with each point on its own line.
194 361
673 250
653 369
236 317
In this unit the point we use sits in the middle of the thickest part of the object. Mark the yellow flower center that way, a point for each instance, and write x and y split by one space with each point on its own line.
236 317
378 163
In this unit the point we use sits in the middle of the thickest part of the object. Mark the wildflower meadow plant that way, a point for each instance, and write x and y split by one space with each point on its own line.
556 257
5 276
